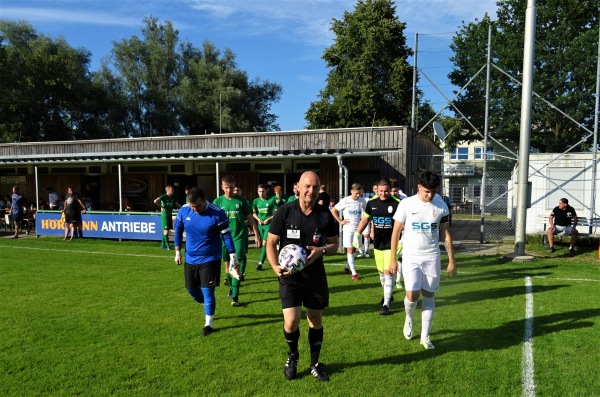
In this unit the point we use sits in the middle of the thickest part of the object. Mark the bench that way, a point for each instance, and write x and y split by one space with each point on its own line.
586 228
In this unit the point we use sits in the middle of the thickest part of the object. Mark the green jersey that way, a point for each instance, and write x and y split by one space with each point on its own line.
292 198
264 209
167 202
237 209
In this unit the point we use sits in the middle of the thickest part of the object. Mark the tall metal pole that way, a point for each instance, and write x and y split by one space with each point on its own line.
525 130
413 117
120 188
595 147
485 136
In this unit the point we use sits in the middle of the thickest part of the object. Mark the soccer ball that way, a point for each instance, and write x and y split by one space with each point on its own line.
292 257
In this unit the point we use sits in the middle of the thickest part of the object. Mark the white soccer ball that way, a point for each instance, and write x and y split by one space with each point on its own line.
292 257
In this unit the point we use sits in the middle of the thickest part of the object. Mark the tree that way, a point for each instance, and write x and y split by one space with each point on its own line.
44 85
174 88
149 69
564 75
370 81
217 97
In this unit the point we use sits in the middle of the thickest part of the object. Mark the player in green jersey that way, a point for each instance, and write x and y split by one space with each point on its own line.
166 202
296 193
238 210
262 210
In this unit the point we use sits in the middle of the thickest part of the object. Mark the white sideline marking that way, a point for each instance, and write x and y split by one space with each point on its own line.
528 373
568 279
82 252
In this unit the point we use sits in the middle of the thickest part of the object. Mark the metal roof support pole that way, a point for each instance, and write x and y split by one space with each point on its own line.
218 174
342 187
120 188
37 188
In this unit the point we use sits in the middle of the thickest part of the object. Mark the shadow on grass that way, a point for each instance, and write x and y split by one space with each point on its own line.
507 335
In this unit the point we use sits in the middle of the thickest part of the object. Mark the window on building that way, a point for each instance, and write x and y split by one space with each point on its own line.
489 191
457 194
501 190
477 191
460 153
479 153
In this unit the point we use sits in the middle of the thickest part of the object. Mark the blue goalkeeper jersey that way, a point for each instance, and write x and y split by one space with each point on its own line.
203 233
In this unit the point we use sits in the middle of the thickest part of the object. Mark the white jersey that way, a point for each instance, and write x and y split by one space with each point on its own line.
422 222
351 210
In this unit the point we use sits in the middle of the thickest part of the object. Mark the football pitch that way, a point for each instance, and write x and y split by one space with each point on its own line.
108 318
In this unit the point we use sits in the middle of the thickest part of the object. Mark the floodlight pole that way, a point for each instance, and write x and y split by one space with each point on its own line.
413 123
525 130
595 147
482 195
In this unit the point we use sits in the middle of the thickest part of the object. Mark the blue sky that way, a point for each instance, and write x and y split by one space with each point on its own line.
276 40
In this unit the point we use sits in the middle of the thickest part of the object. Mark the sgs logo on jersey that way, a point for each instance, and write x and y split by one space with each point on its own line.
382 221
424 226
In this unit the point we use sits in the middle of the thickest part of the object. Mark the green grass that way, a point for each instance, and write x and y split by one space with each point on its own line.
96 317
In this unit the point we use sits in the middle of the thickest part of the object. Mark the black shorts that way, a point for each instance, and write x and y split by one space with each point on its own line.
73 217
206 275
17 218
308 288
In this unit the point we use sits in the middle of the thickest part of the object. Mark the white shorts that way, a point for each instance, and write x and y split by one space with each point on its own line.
348 236
367 229
421 272
560 229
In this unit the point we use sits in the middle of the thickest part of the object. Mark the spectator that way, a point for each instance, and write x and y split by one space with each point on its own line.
563 218
53 198
323 197
17 210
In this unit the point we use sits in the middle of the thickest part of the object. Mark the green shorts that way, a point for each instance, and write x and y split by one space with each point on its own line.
167 221
241 247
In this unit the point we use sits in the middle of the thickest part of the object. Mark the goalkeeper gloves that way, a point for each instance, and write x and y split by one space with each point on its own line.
233 264
356 240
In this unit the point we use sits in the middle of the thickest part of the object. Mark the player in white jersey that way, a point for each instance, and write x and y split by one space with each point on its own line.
351 209
422 217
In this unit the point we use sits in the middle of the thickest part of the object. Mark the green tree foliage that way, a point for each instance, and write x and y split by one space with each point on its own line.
564 71
45 85
149 86
174 88
370 81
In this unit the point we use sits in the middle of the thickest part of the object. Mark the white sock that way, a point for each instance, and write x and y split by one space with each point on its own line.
388 289
427 316
367 243
208 321
382 279
351 263
409 308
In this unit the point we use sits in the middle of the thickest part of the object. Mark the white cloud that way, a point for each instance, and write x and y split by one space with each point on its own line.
308 21
34 14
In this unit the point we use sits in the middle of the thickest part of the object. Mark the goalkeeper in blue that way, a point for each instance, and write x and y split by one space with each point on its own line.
205 225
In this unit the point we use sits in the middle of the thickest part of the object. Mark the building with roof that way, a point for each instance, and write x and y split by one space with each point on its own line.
139 168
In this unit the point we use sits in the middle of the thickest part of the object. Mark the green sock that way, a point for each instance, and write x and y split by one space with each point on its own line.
243 265
235 287
263 254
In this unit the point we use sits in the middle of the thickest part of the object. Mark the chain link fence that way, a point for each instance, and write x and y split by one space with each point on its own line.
480 176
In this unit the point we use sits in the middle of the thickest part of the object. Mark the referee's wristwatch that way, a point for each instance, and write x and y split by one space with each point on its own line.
324 249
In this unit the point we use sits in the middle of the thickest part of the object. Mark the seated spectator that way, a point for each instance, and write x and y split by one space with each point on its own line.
129 206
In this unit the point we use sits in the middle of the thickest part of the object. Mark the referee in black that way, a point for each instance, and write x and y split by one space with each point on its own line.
310 225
